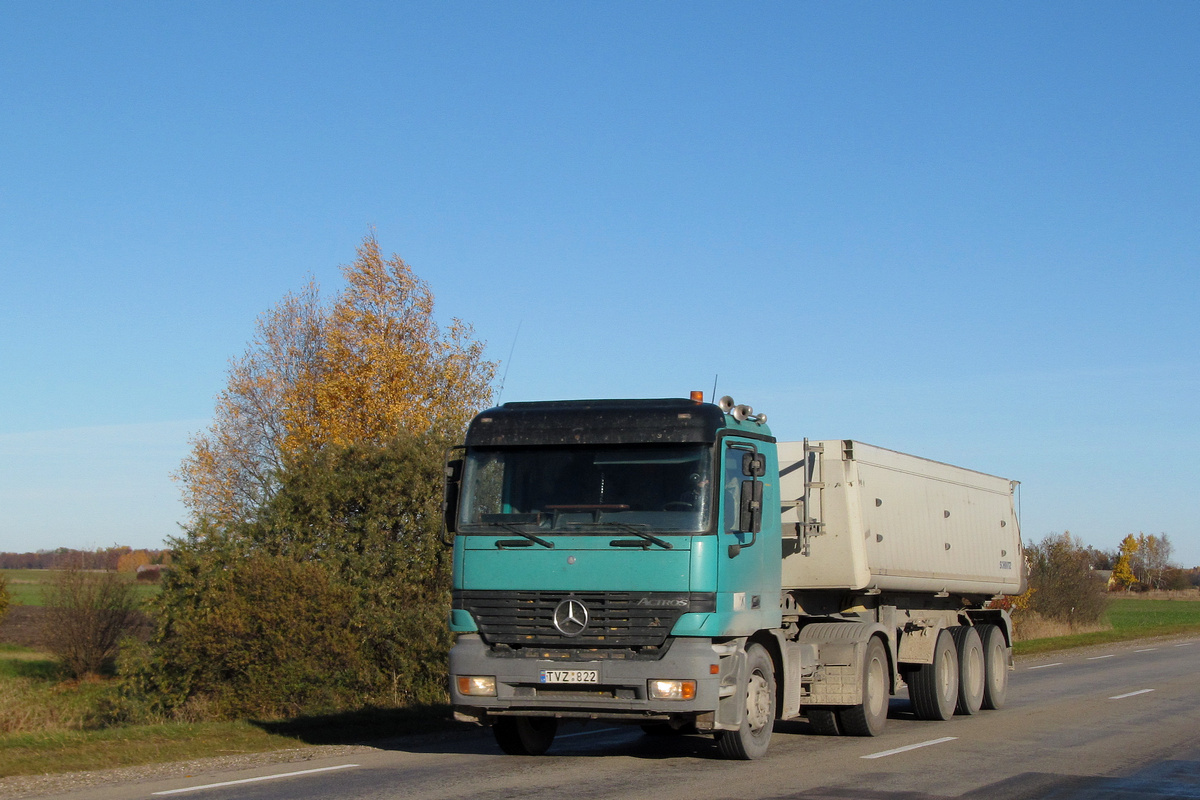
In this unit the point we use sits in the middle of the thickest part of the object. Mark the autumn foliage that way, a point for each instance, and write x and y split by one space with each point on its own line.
129 562
312 577
1122 574
372 362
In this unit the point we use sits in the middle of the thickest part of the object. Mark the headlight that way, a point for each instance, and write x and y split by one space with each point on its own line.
672 690
477 685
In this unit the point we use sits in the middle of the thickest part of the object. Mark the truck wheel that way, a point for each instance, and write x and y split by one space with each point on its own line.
995 666
824 721
868 717
970 669
751 740
933 688
525 736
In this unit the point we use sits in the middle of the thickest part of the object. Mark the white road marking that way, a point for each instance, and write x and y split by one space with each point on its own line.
1131 694
911 747
1185 644
256 780
1043 666
1097 658
587 733
1145 650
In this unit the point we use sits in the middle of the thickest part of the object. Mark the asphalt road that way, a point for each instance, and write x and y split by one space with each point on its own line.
1102 725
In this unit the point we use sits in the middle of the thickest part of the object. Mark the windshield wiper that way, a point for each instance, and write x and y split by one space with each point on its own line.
647 537
512 527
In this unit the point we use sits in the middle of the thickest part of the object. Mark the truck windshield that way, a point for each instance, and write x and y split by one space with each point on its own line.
656 487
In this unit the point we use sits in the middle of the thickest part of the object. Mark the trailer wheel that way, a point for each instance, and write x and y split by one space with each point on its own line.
995 666
750 741
824 721
868 717
525 736
933 688
970 669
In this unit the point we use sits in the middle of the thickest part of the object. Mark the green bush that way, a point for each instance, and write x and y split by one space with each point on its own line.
333 598
261 636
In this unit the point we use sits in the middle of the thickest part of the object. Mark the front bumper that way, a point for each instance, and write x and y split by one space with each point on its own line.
622 693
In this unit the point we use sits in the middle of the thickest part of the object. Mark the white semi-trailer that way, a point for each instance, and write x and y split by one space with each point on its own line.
668 563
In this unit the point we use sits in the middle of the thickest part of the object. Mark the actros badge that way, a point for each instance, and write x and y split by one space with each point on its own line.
570 617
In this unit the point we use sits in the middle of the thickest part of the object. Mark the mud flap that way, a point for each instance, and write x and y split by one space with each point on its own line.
731 706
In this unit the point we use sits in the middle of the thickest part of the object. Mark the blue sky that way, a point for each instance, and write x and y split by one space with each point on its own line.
965 231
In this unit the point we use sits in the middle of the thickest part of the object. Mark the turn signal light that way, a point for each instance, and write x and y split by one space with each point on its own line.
672 690
477 685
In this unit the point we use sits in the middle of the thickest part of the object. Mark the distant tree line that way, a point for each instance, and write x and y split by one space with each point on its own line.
1143 562
109 558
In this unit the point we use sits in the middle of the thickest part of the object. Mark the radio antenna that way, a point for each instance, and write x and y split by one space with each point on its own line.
712 398
508 363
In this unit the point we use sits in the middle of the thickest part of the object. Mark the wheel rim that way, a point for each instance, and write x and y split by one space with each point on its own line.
876 696
976 668
758 701
997 672
945 676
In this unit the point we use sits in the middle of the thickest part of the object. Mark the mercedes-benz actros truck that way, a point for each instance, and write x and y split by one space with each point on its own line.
669 563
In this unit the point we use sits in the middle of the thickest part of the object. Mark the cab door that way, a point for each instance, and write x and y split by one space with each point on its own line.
748 551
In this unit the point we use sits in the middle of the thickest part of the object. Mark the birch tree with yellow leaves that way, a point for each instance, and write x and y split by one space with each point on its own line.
356 371
316 503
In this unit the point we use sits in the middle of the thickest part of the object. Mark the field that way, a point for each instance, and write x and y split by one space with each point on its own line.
1131 617
27 587
51 725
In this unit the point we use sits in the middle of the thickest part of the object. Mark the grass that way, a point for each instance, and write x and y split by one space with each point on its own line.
22 662
1129 618
26 587
49 725
38 753
72 751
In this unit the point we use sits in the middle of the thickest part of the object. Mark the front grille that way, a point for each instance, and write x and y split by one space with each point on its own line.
630 620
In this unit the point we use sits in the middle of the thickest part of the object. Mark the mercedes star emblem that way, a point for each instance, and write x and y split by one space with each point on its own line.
570 617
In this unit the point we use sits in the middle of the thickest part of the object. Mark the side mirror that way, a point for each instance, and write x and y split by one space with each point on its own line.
750 510
450 493
754 465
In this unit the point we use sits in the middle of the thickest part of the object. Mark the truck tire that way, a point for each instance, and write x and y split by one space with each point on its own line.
933 688
525 736
750 741
868 717
995 666
824 721
970 669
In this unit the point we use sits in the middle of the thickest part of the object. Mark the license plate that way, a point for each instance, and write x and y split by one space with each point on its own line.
570 676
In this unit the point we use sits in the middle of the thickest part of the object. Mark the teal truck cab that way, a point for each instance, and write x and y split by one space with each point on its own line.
644 561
